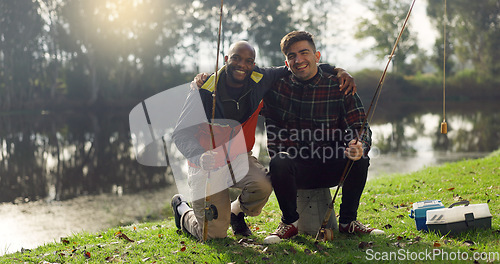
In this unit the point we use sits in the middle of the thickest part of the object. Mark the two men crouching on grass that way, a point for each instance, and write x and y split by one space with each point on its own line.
304 98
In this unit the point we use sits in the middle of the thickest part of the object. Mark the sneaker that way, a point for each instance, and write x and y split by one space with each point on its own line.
355 227
283 231
176 201
239 226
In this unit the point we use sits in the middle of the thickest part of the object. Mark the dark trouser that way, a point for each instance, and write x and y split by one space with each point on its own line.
288 175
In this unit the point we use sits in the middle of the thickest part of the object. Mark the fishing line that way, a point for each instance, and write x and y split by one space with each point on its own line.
444 125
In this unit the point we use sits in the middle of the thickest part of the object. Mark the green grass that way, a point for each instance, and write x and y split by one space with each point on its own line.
386 201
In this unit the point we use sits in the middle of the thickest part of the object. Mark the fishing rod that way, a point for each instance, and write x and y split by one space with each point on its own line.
209 209
373 104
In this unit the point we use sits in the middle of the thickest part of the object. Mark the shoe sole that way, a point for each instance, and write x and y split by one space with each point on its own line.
176 201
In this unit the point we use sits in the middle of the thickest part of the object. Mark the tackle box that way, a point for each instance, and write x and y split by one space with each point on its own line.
419 212
455 219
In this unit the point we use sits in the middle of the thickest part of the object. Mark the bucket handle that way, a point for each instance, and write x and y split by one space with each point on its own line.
466 203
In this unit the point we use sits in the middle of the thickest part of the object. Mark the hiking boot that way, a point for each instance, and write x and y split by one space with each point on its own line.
176 201
283 231
355 227
239 226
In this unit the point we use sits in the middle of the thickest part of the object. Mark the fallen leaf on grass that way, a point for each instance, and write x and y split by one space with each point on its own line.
451 189
307 251
86 254
437 244
388 226
468 243
245 244
363 244
146 259
119 234
319 247
112 259
400 216
399 244
414 240
293 250
64 241
181 250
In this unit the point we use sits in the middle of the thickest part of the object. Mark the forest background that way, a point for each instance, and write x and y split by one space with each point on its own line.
94 54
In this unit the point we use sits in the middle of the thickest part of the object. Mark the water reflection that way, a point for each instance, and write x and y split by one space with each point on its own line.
407 137
58 156
70 166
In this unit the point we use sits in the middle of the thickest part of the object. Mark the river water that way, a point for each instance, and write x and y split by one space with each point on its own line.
62 173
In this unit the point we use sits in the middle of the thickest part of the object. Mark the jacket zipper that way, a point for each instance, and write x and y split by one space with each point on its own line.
237 102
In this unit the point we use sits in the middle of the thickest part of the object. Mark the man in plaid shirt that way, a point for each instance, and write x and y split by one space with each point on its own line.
312 129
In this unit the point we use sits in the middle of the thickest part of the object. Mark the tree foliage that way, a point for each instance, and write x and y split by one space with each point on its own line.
473 32
20 61
384 28
94 52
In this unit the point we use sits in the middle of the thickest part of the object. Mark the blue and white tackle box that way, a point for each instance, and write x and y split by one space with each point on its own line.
419 212
456 219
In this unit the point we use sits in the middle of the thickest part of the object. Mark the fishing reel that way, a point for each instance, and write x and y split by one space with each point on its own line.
325 234
211 212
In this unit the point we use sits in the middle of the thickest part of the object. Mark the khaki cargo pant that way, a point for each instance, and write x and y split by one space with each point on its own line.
256 188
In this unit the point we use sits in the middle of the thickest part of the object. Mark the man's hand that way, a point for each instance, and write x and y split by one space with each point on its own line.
200 78
207 160
354 151
346 81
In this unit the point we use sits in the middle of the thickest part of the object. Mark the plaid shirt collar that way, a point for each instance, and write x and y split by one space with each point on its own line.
314 81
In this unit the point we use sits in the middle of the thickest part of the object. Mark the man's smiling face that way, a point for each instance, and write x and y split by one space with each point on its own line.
301 58
240 63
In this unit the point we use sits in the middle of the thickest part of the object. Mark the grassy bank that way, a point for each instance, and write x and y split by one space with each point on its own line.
385 204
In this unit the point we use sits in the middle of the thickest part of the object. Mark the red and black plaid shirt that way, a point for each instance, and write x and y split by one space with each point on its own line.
307 116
